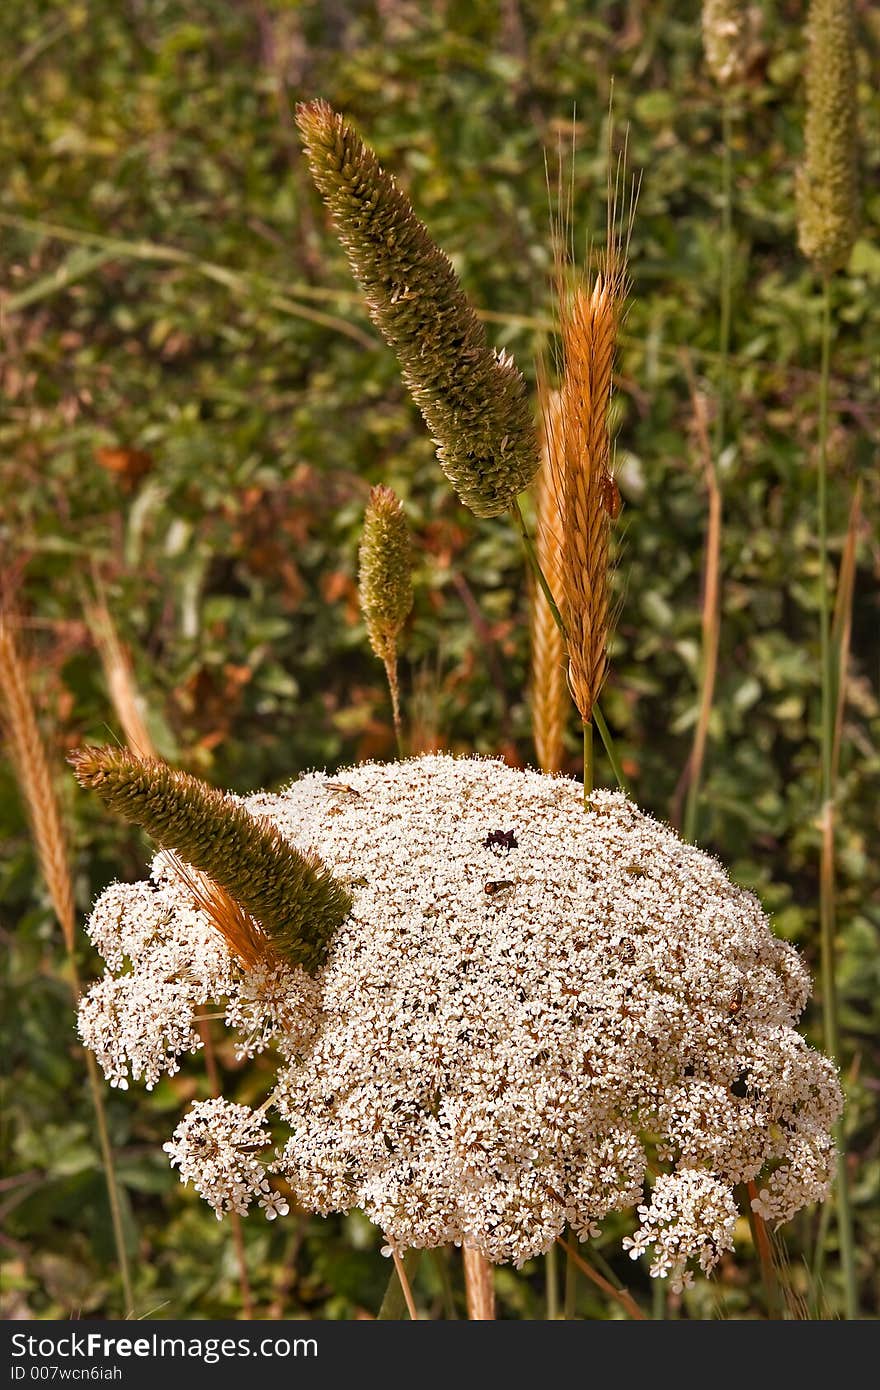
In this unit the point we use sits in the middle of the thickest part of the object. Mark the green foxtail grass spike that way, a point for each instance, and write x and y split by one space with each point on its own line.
474 401
728 31
292 896
827 184
385 575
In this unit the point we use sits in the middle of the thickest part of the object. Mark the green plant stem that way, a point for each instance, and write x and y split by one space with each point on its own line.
825 657
516 512
394 691
535 563
394 1307
611 752
658 1300
551 1271
710 631
826 814
106 1160
569 1305
440 1260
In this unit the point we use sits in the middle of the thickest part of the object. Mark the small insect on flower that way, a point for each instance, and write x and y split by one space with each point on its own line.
736 1003
610 493
340 789
504 839
496 886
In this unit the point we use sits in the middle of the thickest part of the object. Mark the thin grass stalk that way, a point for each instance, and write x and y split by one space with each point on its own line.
551 1272
710 640
440 1260
394 1304
621 1295
121 685
658 1300
827 904
390 664
479 1286
405 1285
236 282
32 773
711 617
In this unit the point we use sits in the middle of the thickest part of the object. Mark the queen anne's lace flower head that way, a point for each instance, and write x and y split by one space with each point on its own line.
217 1147
527 1005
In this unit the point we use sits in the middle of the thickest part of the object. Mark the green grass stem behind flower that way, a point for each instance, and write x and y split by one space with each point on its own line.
385 582
827 185
293 897
474 400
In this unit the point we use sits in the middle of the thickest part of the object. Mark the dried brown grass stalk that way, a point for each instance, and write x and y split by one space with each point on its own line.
623 1298
549 697
32 773
406 1287
479 1287
118 673
710 621
238 929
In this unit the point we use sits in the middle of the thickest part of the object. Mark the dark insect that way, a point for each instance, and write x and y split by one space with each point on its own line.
610 494
736 1002
505 839
740 1087
497 886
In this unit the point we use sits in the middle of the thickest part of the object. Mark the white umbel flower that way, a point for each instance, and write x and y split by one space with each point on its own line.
526 1003
217 1148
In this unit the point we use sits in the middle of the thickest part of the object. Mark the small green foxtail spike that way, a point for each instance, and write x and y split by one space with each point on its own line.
475 401
292 896
385 581
827 184
728 39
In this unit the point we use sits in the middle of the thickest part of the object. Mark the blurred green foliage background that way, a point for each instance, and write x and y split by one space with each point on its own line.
194 408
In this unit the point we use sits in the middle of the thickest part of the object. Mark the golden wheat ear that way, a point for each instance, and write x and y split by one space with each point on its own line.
549 696
586 495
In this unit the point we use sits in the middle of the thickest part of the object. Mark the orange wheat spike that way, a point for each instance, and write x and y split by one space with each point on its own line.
580 457
549 696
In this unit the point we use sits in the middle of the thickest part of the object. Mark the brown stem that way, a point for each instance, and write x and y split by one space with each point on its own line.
404 1282
765 1256
479 1287
624 1298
